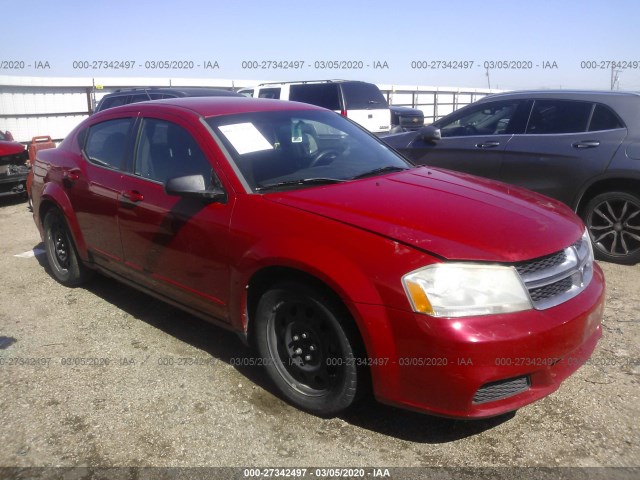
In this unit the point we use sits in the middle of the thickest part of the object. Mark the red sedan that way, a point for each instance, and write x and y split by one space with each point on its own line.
346 266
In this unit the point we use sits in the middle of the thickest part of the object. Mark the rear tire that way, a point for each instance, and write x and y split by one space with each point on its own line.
613 221
65 264
305 346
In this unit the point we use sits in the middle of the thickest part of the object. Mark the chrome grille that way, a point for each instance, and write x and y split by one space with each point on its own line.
501 389
556 278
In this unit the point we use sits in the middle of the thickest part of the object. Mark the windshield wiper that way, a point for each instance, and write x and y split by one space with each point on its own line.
300 181
377 171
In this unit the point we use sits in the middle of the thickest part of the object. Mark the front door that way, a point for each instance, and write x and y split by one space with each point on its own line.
474 139
175 245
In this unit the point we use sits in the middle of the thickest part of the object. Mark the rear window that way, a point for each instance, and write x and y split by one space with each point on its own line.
270 93
363 96
604 119
324 95
106 143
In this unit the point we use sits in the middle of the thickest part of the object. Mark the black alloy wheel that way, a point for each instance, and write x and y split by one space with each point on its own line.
613 221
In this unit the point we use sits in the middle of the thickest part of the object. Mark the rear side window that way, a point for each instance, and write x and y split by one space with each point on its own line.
363 96
144 97
113 102
324 95
106 143
604 119
559 116
270 93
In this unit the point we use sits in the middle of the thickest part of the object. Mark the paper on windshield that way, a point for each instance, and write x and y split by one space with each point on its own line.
245 138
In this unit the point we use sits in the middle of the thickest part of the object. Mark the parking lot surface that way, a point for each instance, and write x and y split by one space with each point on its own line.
106 376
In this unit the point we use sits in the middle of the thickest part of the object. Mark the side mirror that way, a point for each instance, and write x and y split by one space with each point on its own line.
193 186
429 134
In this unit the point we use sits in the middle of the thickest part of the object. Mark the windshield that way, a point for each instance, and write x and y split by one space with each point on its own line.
293 149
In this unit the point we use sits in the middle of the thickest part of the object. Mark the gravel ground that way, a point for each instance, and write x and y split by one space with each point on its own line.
165 389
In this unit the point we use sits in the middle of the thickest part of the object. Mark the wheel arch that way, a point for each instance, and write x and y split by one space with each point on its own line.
265 278
54 197
629 184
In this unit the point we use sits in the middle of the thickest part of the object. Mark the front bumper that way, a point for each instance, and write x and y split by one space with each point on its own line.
13 179
485 366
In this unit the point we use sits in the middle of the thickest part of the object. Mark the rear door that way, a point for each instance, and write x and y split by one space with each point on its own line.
175 245
473 139
565 144
94 186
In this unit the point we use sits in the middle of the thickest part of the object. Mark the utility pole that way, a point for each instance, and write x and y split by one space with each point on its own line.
488 78
615 78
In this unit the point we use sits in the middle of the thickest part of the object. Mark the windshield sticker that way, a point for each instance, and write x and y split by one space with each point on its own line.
245 138
296 132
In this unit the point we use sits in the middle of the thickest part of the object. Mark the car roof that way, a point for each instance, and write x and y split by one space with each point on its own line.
306 82
591 95
182 91
215 106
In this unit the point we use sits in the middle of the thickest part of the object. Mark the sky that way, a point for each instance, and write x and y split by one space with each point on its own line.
393 42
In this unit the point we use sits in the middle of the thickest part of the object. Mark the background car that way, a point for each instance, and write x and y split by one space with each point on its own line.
404 119
343 264
13 166
134 95
582 148
362 102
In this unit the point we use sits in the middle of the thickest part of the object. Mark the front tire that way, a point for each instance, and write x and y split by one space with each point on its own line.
302 337
613 221
65 264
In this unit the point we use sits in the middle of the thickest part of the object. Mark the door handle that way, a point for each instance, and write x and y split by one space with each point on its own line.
488 144
586 144
133 196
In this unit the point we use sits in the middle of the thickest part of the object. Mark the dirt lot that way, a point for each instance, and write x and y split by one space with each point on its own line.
161 388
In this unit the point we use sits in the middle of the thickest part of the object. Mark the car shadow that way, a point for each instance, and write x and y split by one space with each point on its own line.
227 346
6 201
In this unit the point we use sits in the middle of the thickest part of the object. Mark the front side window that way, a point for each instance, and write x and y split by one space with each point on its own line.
166 150
106 143
487 119
292 149
559 116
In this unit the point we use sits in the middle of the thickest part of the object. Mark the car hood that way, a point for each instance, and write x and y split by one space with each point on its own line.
10 148
452 215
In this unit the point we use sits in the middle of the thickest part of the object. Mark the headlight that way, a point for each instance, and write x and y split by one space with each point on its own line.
463 289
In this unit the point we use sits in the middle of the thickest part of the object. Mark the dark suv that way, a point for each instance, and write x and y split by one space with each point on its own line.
580 147
134 95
